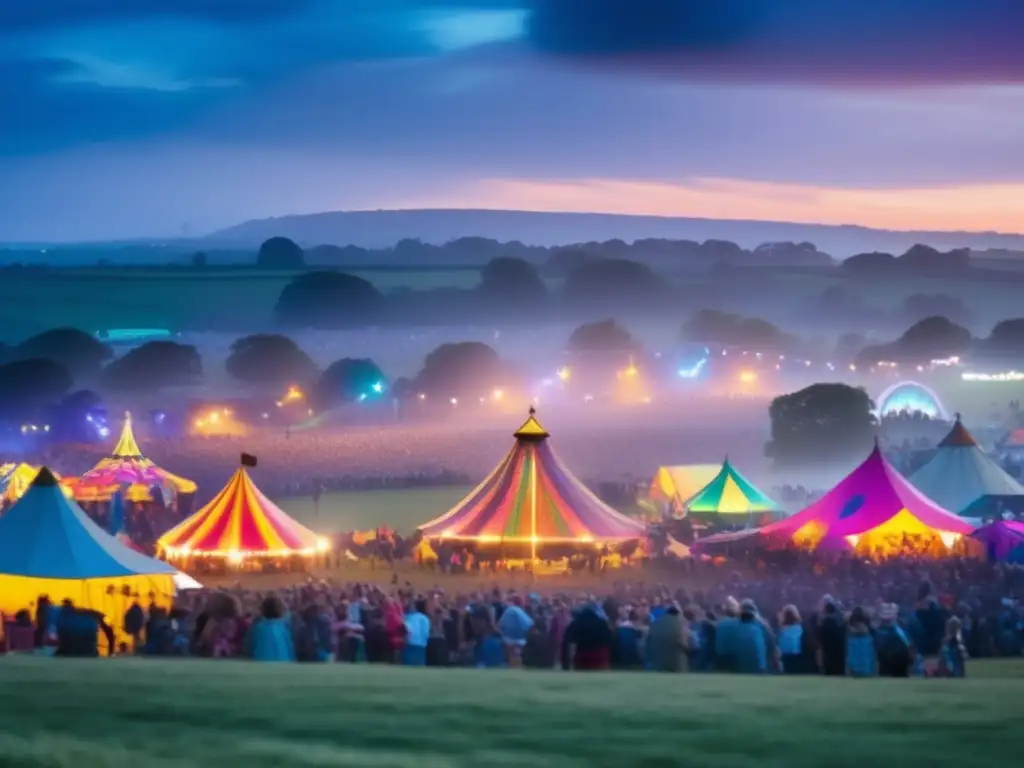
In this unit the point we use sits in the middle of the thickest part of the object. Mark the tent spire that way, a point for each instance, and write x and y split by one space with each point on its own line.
958 436
126 447
532 431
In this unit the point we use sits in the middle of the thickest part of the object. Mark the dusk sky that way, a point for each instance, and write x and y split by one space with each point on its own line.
127 119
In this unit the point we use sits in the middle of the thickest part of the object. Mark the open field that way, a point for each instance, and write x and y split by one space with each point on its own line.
401 509
113 713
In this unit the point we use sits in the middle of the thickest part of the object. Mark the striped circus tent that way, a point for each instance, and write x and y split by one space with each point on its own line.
15 479
532 499
128 471
240 523
730 493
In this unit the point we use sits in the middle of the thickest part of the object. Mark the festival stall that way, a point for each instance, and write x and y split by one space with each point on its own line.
127 471
674 485
240 527
49 546
531 506
874 510
1003 541
15 479
962 478
730 497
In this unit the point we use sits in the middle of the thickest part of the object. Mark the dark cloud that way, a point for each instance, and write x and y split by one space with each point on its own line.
852 41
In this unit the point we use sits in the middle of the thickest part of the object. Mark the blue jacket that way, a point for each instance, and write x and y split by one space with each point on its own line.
271 640
751 648
861 659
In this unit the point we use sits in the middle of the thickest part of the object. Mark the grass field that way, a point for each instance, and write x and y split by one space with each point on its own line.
401 509
109 714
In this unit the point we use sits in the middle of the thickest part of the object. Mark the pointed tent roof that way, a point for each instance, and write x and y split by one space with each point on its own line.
960 474
125 466
730 493
1003 539
680 483
47 536
531 497
240 520
15 479
1015 439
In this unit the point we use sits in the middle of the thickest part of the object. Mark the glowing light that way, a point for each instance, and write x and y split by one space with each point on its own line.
421 397
498 395
185 551
853 539
748 377
322 544
949 539
853 367
694 370
1004 376
292 395
378 387
565 374
234 556
454 401
587 398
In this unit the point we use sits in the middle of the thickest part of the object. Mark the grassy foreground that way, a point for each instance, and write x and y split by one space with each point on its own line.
194 713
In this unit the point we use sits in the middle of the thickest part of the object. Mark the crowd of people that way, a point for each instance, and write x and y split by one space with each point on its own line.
792 614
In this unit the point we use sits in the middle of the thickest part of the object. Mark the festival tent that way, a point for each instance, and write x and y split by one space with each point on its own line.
128 470
871 510
240 523
532 499
1003 540
675 485
730 493
964 479
15 479
49 546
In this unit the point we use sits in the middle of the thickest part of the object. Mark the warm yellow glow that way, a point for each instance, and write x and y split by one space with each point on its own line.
949 539
498 395
565 373
853 539
234 556
294 394
421 396
322 544
185 551
748 377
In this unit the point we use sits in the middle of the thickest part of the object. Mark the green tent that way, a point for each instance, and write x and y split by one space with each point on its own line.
730 493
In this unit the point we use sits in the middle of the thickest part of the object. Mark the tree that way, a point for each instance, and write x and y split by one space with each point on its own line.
269 358
613 281
453 370
329 299
1007 339
154 365
77 417
280 253
822 423
81 353
349 380
933 338
512 281
709 326
28 386
922 305
602 336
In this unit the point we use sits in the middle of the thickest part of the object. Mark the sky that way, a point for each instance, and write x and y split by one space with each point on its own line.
169 117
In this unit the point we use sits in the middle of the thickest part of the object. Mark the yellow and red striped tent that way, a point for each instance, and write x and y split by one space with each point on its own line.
15 479
240 523
125 469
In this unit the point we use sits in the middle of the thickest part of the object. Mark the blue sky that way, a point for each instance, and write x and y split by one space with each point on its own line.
124 119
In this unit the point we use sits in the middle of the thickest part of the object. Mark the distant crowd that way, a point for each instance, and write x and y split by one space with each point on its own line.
792 615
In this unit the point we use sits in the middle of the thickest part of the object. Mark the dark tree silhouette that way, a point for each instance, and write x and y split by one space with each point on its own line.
932 338
28 386
1007 339
81 353
329 299
512 281
709 326
821 424
614 282
602 336
280 253
155 365
453 370
349 380
270 358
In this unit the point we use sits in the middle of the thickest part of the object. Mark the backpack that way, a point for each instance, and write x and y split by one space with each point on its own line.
893 648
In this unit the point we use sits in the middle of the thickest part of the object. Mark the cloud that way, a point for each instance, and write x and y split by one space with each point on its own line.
866 42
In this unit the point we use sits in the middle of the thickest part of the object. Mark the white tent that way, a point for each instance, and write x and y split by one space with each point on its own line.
962 478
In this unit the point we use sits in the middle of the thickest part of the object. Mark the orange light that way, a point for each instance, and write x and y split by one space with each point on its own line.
748 377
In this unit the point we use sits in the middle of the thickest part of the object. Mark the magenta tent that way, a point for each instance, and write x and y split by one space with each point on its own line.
1003 540
871 510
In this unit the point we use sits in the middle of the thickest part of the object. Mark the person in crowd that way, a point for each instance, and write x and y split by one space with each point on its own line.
669 641
832 639
588 640
928 626
514 624
751 645
490 650
791 641
270 637
134 620
726 636
954 655
159 634
892 645
861 657
417 635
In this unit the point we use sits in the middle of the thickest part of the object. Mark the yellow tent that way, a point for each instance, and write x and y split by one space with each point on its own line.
16 478
675 485
49 546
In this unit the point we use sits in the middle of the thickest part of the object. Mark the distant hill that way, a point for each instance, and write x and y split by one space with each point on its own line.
381 229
